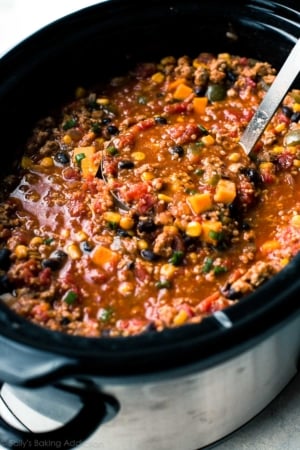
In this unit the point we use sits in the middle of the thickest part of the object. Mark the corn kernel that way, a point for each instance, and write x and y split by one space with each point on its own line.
284 262
224 56
170 229
164 198
208 140
142 244
193 257
102 101
36 241
112 217
167 271
126 288
138 156
234 157
81 236
180 317
180 119
193 228
266 165
46 162
73 251
126 223
280 127
158 77
80 92
21 251
277 149
167 60
67 139
26 162
296 107
296 162
147 176
295 221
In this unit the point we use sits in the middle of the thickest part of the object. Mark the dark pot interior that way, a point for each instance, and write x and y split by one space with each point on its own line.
105 40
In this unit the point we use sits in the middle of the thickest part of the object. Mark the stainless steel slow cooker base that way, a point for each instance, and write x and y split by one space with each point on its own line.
183 409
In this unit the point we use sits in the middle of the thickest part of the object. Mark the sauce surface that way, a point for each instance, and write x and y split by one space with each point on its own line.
134 208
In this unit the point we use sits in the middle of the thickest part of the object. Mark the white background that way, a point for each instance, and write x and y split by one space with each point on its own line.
276 428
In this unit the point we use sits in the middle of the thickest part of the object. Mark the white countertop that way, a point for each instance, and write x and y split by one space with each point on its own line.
278 426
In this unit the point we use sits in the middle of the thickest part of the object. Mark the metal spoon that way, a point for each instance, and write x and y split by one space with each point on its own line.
272 99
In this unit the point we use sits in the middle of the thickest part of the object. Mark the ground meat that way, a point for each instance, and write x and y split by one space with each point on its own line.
134 209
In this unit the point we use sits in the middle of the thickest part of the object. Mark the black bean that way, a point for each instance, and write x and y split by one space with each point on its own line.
161 120
245 226
56 260
5 258
150 328
112 129
62 158
295 117
86 247
176 150
149 255
231 76
59 254
125 164
200 91
122 233
130 265
288 112
252 174
65 321
5 284
106 120
229 292
52 263
146 226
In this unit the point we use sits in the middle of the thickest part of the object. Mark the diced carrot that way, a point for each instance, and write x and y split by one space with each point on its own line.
173 84
199 104
269 246
225 191
88 167
210 230
104 257
200 202
87 151
182 92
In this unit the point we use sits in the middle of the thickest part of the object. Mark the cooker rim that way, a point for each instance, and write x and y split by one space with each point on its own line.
217 334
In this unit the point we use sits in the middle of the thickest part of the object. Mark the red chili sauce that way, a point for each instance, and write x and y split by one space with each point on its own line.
178 224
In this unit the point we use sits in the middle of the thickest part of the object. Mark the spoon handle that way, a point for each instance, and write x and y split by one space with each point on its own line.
272 99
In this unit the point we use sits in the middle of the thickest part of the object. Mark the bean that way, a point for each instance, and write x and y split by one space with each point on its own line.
149 255
176 150
161 120
5 258
112 129
125 164
288 112
5 284
146 226
62 158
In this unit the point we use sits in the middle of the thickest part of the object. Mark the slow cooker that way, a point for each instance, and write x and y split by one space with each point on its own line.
183 388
